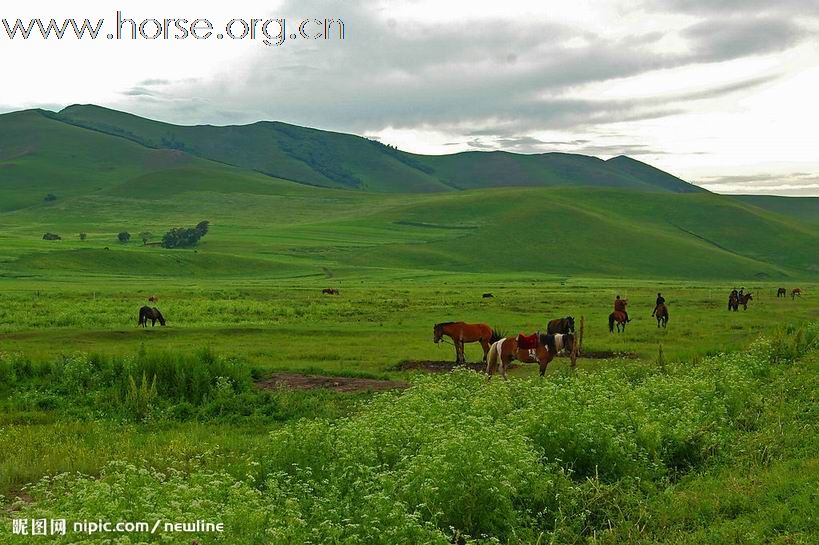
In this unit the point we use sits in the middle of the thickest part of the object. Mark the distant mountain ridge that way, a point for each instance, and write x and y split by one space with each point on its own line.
336 160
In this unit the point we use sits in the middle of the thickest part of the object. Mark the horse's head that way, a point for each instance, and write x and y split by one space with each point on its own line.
749 297
159 316
437 333
570 324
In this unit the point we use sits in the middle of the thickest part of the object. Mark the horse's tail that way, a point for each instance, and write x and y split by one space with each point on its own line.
611 323
492 357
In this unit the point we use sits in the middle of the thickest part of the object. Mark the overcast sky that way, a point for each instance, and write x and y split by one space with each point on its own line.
720 92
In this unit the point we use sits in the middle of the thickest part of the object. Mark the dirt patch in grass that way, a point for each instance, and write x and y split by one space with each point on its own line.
339 384
438 366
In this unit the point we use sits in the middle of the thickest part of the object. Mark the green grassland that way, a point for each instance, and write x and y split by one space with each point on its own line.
704 432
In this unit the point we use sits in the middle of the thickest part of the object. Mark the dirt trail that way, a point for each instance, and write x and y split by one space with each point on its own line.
338 384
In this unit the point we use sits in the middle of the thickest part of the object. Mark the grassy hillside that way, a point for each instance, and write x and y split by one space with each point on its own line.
267 227
337 160
802 208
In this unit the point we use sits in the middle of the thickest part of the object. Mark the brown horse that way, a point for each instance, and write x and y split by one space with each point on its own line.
561 325
330 291
461 332
781 292
796 292
662 315
621 320
152 314
541 351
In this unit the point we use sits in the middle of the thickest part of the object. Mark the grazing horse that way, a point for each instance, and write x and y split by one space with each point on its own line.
461 333
620 318
538 348
662 315
330 291
152 314
781 292
561 325
796 292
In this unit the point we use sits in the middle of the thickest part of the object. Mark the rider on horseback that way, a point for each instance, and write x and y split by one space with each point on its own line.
660 301
620 306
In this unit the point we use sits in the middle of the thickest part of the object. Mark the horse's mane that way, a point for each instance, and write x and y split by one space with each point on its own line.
549 341
442 324
496 336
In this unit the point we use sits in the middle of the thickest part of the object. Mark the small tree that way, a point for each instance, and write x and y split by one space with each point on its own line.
145 236
83 236
124 236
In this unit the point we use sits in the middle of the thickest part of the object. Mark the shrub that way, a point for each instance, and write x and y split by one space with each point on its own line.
51 236
124 236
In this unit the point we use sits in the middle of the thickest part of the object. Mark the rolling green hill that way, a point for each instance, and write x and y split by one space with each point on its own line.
617 218
802 208
337 160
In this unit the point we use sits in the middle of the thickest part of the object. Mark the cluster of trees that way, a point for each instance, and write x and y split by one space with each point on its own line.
180 237
185 237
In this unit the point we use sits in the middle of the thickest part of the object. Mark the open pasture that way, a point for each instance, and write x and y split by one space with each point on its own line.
373 327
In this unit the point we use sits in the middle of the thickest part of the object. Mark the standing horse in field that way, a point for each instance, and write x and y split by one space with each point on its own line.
620 319
152 314
735 300
537 348
461 332
781 292
561 325
796 292
662 315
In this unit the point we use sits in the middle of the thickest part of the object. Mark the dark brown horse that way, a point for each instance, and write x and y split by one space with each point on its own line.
461 332
735 300
542 351
561 325
781 292
796 292
662 315
330 291
620 319
152 314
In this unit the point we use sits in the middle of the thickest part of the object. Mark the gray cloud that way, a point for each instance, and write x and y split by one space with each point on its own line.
498 76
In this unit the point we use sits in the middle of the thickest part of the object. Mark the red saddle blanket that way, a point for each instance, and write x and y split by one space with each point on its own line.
527 342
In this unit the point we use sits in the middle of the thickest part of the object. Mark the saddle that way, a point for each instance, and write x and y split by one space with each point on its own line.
527 342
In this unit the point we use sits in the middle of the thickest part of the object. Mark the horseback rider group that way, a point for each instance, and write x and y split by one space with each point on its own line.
620 305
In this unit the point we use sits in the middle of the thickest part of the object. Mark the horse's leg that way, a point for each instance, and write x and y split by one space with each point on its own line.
485 346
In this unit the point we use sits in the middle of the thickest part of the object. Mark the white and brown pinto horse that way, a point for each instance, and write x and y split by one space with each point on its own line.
538 348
